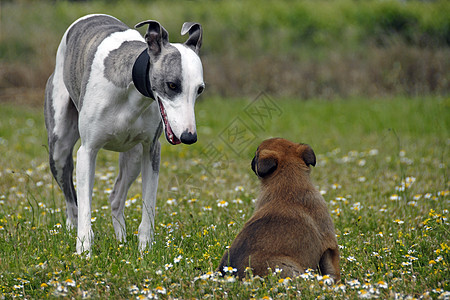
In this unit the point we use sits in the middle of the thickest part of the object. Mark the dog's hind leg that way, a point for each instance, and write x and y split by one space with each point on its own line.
329 264
288 266
61 120
129 169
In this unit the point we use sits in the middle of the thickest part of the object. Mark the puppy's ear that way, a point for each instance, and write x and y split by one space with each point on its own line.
264 163
254 164
307 154
156 37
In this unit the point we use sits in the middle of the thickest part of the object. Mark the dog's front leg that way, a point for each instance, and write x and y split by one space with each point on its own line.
85 182
129 169
150 172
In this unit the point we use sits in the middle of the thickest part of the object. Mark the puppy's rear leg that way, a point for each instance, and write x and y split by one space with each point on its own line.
129 169
329 264
61 120
289 268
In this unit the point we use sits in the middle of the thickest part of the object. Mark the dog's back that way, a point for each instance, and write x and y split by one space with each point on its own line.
291 228
81 43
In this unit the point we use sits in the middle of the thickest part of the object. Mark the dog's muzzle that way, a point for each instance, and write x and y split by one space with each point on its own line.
185 138
188 137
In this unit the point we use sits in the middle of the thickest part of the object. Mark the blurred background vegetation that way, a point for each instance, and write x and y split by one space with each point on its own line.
290 49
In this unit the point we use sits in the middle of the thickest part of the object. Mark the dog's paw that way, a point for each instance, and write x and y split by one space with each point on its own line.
84 243
145 243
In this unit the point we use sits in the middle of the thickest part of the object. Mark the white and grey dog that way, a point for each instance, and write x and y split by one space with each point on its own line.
101 92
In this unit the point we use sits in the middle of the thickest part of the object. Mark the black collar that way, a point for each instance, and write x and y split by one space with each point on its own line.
140 75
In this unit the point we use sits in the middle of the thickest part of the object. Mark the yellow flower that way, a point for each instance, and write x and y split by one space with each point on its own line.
160 290
222 203
394 197
382 284
229 269
444 193
70 282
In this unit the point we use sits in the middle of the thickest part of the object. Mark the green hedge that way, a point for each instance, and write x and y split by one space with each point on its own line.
246 27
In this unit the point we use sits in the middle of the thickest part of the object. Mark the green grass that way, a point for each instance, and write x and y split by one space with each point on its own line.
382 166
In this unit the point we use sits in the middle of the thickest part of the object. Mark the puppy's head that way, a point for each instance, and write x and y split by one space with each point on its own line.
275 154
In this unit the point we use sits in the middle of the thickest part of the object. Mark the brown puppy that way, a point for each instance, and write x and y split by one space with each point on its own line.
291 227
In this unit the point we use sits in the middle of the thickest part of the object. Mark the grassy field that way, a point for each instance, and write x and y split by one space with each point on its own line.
382 167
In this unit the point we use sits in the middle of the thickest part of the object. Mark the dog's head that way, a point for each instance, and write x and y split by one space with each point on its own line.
275 154
176 78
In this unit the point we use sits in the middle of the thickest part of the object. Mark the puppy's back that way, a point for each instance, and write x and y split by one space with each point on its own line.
291 227
284 237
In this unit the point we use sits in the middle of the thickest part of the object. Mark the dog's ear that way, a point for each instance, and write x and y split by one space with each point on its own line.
264 163
156 37
307 154
195 35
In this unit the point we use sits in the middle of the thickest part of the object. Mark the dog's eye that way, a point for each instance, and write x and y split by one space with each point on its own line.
200 90
172 86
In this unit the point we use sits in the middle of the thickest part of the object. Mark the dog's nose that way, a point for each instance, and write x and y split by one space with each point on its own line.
188 137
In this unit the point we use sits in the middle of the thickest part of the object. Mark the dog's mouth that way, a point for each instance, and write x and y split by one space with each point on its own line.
170 136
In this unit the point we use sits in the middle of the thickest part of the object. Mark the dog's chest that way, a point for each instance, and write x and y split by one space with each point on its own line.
119 123
123 130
